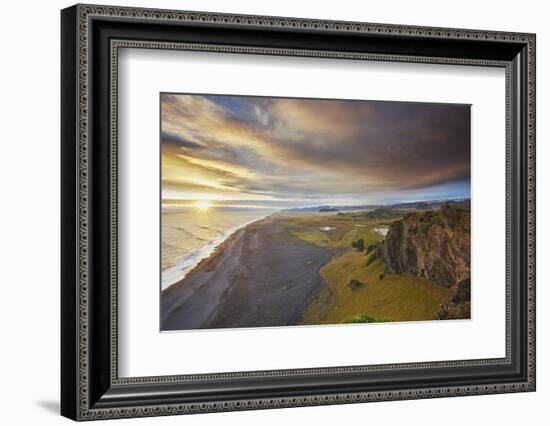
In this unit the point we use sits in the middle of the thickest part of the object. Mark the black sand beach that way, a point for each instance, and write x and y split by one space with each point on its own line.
260 276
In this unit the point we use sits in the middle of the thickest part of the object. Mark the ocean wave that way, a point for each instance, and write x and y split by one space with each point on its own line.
213 229
187 263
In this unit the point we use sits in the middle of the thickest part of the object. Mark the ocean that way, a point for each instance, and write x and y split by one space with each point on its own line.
190 235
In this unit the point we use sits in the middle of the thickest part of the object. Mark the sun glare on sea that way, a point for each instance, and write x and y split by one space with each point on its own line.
202 205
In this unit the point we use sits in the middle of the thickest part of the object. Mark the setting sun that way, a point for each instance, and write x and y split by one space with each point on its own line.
202 205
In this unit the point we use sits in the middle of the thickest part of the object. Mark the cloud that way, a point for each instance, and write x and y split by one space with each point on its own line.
178 141
299 148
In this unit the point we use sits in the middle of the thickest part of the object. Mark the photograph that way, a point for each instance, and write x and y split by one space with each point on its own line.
261 208
280 211
274 208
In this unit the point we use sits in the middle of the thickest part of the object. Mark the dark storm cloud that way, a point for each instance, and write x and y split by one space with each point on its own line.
402 144
279 147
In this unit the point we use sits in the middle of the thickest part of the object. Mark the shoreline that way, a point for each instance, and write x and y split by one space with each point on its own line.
206 261
180 270
261 275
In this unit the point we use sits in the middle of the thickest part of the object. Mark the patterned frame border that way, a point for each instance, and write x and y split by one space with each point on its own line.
86 13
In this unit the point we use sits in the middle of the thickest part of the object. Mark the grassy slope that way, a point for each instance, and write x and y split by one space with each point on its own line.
393 298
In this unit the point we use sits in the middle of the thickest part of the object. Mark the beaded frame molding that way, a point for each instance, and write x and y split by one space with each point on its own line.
91 39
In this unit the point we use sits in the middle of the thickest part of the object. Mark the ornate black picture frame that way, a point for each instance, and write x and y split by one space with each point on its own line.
91 37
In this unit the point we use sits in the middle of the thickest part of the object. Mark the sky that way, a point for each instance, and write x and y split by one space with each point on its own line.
291 152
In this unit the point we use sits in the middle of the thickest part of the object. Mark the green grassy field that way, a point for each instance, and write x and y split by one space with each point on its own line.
374 297
356 292
347 229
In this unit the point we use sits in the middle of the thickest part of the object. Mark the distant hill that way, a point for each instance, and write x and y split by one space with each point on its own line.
430 205
384 213
408 206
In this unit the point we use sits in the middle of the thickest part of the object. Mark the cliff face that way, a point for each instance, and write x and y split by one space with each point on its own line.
458 305
432 244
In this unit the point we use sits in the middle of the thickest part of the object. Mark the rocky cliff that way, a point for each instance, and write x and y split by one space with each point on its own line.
430 244
458 304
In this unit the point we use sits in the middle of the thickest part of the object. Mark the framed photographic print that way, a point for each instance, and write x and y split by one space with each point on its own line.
263 212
